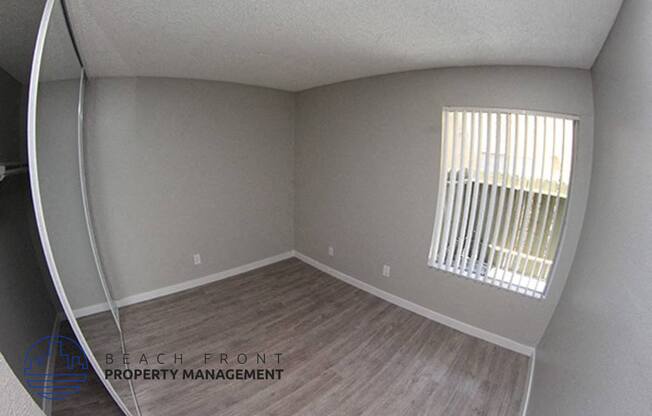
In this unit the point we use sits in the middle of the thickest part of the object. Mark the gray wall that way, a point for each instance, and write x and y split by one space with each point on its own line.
26 309
10 132
177 167
595 356
58 169
367 163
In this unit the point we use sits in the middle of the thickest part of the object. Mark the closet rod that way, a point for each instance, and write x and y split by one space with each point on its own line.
9 169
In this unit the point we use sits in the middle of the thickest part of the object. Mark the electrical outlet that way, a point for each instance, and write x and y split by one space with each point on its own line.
331 251
196 258
386 270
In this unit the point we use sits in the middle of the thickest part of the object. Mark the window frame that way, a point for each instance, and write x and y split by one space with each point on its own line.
563 230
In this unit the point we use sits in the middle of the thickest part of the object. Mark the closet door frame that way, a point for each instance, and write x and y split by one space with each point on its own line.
86 205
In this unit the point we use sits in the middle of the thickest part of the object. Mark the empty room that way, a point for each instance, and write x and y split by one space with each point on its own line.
368 208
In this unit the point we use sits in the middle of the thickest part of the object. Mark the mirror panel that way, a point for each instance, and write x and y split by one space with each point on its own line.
60 92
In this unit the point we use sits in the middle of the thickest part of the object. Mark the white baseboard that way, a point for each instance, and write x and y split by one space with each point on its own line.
168 290
46 404
90 310
421 310
530 378
404 303
179 287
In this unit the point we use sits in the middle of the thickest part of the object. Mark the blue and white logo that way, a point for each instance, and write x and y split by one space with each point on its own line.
68 367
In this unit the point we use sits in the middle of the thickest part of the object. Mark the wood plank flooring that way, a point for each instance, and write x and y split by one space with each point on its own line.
92 399
344 352
103 337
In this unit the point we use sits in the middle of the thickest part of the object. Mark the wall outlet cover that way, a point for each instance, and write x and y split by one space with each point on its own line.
386 270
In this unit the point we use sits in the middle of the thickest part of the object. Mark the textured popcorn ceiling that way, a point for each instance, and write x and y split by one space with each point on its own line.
294 45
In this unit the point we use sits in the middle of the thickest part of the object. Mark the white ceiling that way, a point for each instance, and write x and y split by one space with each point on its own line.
298 44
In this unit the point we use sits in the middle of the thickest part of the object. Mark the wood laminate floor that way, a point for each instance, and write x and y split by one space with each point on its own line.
92 399
344 352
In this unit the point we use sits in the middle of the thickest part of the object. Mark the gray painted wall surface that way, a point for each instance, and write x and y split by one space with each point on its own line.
177 167
56 146
26 310
367 166
10 98
595 356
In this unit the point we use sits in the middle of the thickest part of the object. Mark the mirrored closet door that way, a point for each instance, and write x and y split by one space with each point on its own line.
57 175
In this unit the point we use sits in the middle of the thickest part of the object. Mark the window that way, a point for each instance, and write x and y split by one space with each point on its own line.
503 194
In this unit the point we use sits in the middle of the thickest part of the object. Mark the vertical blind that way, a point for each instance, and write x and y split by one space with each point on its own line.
502 198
